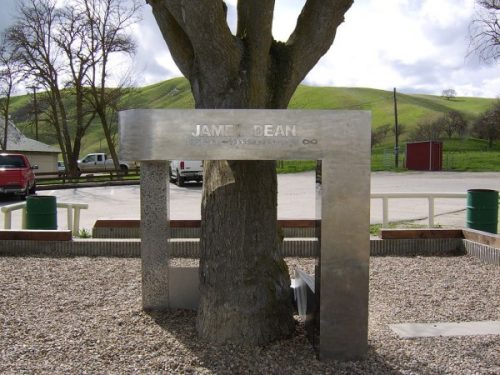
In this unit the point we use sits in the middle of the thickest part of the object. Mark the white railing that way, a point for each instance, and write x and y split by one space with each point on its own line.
430 197
72 214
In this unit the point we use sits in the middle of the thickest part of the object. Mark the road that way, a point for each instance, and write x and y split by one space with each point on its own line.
296 198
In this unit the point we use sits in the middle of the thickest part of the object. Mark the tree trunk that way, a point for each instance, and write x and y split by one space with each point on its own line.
244 282
6 128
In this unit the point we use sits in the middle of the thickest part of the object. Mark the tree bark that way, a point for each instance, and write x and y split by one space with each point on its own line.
244 282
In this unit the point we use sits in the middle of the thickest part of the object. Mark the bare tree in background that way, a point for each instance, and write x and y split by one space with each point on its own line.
109 21
244 282
9 77
36 36
449 94
454 122
487 126
485 31
66 48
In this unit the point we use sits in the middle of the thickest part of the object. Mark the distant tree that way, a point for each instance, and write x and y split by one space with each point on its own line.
484 31
487 126
380 134
9 77
449 94
401 129
453 122
428 130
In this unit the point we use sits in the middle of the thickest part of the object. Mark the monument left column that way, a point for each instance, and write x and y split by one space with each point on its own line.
155 233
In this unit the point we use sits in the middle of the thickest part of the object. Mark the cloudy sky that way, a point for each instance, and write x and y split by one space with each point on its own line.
418 46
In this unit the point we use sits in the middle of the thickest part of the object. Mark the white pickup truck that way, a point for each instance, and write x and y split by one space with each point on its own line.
186 170
100 162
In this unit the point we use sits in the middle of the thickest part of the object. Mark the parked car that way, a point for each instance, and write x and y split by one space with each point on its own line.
16 175
61 168
186 170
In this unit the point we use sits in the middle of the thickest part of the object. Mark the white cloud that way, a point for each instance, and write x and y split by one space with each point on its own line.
417 46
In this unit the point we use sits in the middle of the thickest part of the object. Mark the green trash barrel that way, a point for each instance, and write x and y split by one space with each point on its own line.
41 212
482 210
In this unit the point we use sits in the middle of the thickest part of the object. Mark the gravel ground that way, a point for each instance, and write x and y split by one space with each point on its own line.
83 315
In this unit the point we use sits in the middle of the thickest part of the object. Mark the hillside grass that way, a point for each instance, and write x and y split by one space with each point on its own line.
412 109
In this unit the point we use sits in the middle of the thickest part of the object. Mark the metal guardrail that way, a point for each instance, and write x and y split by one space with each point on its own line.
430 197
72 214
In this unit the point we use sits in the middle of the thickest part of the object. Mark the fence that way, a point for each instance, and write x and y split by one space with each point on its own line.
430 197
72 214
96 175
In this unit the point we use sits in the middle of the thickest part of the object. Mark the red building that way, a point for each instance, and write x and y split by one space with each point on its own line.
424 156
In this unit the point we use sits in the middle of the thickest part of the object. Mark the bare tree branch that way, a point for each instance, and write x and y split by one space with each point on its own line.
484 31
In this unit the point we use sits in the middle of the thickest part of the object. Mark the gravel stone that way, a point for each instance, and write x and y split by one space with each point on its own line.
83 315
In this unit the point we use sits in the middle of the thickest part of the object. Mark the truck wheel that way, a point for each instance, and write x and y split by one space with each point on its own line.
170 176
180 180
124 169
25 194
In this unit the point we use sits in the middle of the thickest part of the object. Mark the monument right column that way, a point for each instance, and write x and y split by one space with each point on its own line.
345 255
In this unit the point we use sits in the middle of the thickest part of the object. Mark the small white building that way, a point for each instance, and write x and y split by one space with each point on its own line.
38 153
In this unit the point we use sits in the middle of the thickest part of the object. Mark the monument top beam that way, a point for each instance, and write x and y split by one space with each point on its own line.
241 134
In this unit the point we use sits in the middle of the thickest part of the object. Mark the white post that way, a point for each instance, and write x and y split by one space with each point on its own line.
76 221
23 217
69 215
385 211
8 219
431 211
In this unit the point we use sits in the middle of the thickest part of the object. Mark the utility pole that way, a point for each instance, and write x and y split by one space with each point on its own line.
396 132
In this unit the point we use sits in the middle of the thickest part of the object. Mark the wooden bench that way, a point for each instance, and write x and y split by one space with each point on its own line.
36 235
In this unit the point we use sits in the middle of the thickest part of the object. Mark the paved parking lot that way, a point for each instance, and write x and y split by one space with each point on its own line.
296 198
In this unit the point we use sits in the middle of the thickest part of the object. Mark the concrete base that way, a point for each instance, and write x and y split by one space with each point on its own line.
184 288
414 330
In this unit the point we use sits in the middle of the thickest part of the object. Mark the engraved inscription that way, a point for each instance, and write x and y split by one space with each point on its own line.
274 131
213 131
258 131
255 135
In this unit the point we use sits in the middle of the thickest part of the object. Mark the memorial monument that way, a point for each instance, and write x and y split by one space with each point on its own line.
340 139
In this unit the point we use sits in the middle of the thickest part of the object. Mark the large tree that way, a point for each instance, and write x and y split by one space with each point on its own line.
108 21
244 282
66 48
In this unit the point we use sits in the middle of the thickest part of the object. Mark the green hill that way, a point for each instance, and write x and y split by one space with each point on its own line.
175 93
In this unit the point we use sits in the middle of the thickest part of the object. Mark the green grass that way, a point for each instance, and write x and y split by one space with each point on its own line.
294 166
375 228
473 161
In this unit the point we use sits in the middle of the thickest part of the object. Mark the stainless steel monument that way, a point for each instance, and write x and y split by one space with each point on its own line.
340 139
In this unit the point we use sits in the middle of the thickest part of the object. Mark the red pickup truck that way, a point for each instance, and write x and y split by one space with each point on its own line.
16 175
